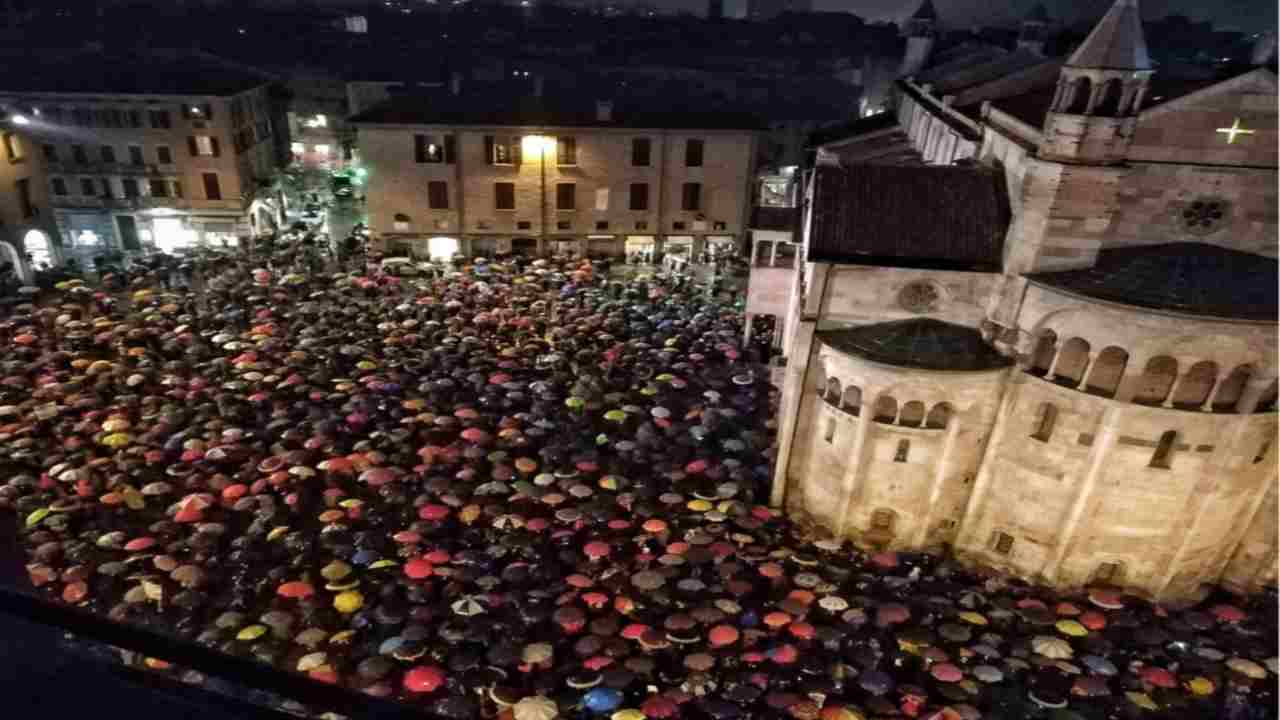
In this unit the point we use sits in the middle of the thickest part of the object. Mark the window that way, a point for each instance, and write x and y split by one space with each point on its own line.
135 118
1047 416
81 117
502 149
775 193
693 152
602 224
177 188
1164 451
1108 573
566 151
87 188
106 187
212 190
24 198
159 119
135 155
882 520
316 121
158 188
566 196
691 196
81 156
504 196
108 154
130 186
59 186
602 198
678 225
829 435
51 152
438 195
639 196
1001 542
640 148
164 155
904 448
524 225
433 149
642 224
203 145
13 147
564 224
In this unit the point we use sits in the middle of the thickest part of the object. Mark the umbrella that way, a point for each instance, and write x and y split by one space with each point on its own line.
1051 647
1248 668
536 707
423 679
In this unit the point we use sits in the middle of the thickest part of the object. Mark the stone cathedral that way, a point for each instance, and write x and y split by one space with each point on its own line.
1037 318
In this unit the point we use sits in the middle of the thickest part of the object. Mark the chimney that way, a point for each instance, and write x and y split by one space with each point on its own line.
455 83
604 110
537 86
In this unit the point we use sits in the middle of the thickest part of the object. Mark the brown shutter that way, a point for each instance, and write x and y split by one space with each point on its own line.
420 148
216 151
191 145
488 149
450 149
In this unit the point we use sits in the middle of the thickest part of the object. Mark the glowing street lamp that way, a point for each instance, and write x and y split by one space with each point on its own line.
20 120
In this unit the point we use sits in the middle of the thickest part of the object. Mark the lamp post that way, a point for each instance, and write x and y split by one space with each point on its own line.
540 144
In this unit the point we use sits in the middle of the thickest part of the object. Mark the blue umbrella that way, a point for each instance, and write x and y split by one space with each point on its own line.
875 682
602 700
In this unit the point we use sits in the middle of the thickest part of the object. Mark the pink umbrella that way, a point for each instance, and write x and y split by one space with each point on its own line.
887 559
1228 613
658 706
423 679
433 512
597 549
1159 677
892 614
946 672
474 435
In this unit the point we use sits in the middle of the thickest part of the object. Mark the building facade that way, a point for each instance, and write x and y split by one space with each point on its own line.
144 165
599 183
1059 357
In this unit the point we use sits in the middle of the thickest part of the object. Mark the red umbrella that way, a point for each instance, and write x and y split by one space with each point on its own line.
771 570
891 614
659 706
141 543
595 600
1225 613
423 679
407 537
722 635
1159 677
597 549
635 631
946 672
777 619
1067 609
296 589
886 559
784 654
696 466
433 512
437 557
418 568
1093 620
802 630
579 581
474 435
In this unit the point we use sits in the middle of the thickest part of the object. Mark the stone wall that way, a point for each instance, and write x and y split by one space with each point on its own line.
863 294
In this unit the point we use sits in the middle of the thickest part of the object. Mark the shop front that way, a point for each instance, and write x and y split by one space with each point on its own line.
603 246
641 249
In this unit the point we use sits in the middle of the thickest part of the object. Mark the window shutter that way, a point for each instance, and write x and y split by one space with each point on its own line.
450 149
517 156
214 142
208 111
420 148
488 149
191 145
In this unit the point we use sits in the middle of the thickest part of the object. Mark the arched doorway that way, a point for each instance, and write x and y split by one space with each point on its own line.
21 273
442 248
36 244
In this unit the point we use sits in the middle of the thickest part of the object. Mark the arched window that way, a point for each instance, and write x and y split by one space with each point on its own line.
36 244
1164 450
1001 542
912 414
1157 378
1108 573
1079 97
882 520
852 401
904 449
1194 388
1229 392
1072 359
833 391
1042 356
886 410
1109 106
1108 369
1046 416
939 416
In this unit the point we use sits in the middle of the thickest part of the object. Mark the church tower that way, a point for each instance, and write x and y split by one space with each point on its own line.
1035 30
921 32
1100 90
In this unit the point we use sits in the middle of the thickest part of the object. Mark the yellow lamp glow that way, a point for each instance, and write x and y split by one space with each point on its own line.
536 145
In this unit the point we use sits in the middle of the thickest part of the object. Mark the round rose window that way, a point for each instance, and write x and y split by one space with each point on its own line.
1204 215
919 297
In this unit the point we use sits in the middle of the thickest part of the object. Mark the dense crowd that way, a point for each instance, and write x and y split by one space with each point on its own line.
523 489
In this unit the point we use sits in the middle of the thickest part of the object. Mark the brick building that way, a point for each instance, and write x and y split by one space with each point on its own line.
109 152
540 176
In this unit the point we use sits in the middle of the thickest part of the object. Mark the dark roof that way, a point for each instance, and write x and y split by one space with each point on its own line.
928 217
481 108
921 343
926 11
133 72
1029 107
1191 278
996 68
858 126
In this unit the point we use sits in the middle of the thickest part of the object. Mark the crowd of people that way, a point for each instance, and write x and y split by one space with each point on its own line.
522 489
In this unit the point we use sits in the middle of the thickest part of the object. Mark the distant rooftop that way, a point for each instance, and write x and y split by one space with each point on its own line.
1191 278
937 217
921 343
149 72
486 109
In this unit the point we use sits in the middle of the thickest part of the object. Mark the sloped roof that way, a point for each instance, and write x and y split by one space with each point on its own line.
926 11
1116 42
976 74
919 343
132 72
927 217
1186 277
483 109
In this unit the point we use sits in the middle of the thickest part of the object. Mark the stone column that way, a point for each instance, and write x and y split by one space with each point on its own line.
1173 390
939 478
1102 444
1213 391
1252 394
1084 376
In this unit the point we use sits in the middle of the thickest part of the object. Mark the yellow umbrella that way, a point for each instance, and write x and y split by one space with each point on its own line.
972 618
1071 628
253 632
1142 700
1201 686
627 714
117 440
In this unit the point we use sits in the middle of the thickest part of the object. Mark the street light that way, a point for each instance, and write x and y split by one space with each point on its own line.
540 145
